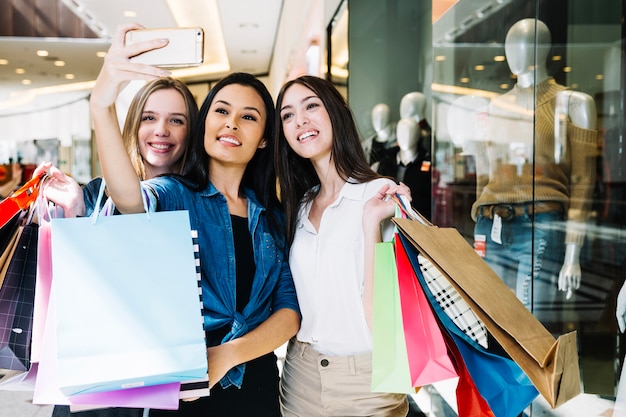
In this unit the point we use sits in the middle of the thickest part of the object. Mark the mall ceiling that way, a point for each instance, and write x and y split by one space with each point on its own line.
73 32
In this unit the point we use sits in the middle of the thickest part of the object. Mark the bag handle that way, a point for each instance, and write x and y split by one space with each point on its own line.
404 205
27 193
97 208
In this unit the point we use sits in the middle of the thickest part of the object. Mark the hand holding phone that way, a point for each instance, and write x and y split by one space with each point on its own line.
185 47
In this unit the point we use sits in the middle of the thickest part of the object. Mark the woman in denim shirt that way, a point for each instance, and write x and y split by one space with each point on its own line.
228 186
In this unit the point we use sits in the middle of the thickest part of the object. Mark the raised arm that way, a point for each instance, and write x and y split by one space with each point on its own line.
117 71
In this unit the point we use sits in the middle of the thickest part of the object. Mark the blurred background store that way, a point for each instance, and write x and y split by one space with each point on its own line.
376 52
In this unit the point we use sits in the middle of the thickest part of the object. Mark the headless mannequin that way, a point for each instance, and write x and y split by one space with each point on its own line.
384 135
544 127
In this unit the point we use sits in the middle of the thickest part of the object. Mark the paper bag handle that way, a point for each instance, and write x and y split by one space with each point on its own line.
405 206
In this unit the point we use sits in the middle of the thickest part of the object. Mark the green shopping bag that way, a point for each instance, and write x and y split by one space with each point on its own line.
390 363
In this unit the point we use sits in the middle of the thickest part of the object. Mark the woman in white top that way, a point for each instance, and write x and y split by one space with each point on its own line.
335 204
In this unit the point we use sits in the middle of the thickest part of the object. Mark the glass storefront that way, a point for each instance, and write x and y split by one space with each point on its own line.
525 108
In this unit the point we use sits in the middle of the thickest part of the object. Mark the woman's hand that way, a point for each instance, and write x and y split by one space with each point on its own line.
382 206
62 190
220 362
117 69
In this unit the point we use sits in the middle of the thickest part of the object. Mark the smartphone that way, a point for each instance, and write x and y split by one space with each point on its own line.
185 47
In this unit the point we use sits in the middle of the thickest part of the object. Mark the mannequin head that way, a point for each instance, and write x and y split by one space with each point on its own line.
380 116
407 135
381 122
526 61
413 105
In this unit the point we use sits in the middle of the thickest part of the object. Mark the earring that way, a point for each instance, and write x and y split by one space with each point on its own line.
263 144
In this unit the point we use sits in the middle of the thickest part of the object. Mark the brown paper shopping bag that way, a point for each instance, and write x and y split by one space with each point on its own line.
552 365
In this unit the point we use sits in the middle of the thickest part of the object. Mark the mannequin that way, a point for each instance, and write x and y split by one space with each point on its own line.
384 136
535 169
413 105
405 162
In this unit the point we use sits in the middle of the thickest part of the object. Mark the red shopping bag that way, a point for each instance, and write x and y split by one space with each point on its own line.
469 401
426 348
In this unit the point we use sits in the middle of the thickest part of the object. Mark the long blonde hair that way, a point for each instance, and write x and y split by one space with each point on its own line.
133 120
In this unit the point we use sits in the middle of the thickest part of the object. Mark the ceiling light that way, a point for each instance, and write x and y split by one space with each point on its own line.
479 67
440 58
599 77
464 80
59 63
504 86
101 54
69 76
567 69
26 82
4 62
557 57
130 13
499 58
20 71
42 52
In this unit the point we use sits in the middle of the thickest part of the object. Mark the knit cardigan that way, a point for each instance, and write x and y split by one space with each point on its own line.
526 116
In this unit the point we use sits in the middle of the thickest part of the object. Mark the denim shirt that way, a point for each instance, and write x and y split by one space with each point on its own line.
272 287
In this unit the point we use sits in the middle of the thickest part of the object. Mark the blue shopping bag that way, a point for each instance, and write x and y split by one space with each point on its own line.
127 304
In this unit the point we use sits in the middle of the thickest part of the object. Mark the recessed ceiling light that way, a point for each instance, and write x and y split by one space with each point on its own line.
479 67
499 58
101 54
42 52
4 62
130 13
69 76
20 71
27 82
567 69
59 63
504 86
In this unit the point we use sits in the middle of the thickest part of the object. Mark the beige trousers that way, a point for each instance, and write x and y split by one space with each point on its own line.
314 385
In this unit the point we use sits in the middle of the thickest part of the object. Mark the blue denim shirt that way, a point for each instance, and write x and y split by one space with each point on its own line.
272 287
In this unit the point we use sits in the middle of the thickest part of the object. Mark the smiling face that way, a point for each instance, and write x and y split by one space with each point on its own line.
163 129
234 125
306 123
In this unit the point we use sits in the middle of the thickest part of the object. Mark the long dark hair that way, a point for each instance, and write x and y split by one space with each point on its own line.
260 174
296 175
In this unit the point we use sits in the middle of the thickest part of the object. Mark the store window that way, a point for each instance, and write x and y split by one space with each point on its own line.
529 165
525 103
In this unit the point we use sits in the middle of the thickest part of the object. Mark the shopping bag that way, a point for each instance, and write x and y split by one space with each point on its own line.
126 299
8 240
46 387
390 363
17 297
499 380
552 365
426 349
452 303
19 200
469 402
